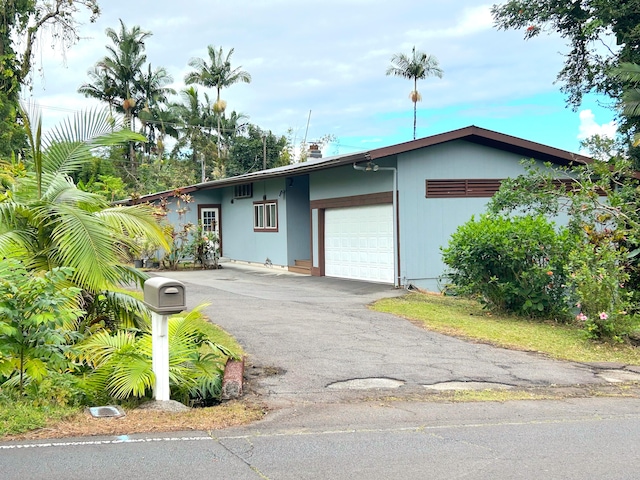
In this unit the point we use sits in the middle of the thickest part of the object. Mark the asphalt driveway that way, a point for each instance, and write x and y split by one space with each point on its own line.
312 339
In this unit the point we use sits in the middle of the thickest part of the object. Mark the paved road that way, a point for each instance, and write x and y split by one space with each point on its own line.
307 336
593 438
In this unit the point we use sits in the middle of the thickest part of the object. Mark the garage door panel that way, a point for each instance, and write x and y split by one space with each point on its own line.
359 243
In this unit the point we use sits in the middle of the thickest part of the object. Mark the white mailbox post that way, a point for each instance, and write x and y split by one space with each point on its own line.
164 297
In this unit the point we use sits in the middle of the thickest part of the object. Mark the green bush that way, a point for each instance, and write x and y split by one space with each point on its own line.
121 362
513 264
38 312
598 275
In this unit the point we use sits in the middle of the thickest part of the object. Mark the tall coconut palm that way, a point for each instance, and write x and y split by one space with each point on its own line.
47 222
217 74
416 67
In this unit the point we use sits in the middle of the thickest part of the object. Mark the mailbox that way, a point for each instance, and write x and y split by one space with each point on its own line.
165 296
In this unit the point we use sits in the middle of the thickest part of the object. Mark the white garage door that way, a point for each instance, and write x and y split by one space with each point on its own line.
358 243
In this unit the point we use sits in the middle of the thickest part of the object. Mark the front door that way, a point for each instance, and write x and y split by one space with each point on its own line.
209 216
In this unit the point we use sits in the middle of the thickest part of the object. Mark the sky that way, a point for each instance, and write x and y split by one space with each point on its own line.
318 68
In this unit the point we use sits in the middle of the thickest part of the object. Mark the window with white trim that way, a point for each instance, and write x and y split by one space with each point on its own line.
265 216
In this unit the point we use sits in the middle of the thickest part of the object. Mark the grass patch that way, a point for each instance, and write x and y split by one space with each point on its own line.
221 337
497 395
19 416
467 319
78 423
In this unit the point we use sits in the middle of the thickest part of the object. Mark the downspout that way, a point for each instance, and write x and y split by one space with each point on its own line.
396 266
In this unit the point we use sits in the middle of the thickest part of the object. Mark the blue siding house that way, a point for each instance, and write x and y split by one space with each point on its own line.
381 215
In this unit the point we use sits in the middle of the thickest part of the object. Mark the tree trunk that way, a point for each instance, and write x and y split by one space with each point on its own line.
415 105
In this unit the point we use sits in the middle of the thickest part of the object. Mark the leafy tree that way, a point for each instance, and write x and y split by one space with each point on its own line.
587 25
602 205
21 23
216 74
247 151
416 67
12 136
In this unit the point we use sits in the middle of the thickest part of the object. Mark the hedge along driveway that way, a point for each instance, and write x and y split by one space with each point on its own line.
305 335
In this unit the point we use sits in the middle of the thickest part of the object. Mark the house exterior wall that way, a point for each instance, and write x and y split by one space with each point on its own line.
347 182
426 224
296 203
190 209
240 242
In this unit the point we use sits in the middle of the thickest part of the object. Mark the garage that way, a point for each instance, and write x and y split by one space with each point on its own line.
359 243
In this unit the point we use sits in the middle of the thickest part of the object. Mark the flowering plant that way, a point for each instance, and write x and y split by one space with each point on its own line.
204 247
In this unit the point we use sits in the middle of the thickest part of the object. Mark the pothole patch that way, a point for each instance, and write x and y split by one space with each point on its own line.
467 386
366 383
619 376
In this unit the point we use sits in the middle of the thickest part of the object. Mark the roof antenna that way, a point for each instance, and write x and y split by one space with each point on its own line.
304 142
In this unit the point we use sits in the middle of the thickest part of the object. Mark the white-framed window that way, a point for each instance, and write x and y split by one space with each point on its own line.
265 216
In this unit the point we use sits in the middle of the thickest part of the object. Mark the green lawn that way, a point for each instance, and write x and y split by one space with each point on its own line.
464 318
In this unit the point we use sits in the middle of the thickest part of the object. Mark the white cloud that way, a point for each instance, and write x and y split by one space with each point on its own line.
589 127
472 20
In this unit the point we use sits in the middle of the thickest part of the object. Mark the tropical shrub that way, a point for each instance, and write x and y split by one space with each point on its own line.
601 202
178 236
203 247
121 367
512 264
598 277
47 222
38 314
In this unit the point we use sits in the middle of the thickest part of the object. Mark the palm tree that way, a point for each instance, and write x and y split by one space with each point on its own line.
115 77
216 74
47 222
190 113
416 67
153 92
101 86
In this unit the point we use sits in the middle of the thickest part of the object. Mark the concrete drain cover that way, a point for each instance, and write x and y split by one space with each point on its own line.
366 383
619 376
103 412
467 386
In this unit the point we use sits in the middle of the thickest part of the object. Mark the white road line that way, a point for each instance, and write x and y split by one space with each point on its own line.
118 440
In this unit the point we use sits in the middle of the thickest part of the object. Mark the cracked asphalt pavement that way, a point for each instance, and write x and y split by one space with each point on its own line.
308 336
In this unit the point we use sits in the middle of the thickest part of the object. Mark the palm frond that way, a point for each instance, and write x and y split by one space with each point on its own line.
100 347
81 241
631 102
134 376
130 312
132 221
68 145
628 73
